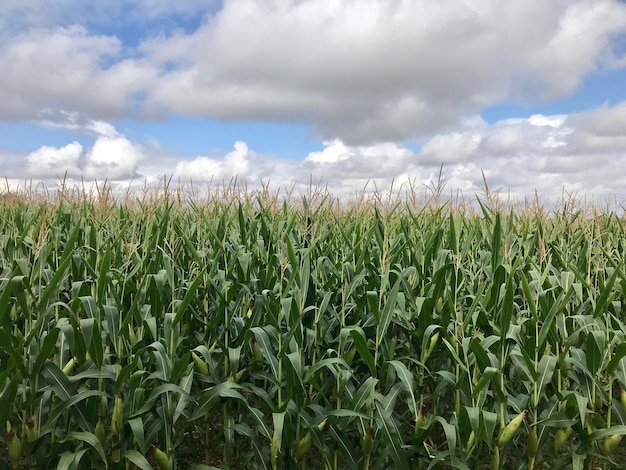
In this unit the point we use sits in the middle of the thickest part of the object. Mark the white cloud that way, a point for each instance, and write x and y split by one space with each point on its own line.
362 71
548 154
65 68
53 162
112 155
372 71
238 163
112 158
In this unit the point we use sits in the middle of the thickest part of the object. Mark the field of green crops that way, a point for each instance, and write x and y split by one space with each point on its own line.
260 334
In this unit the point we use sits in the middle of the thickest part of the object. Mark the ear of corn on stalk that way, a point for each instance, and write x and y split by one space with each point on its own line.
431 347
14 445
560 437
118 413
610 443
507 433
348 356
69 366
163 460
32 433
100 434
200 364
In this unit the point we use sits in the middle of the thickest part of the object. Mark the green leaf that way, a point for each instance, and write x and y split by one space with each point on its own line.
387 313
137 459
406 377
90 439
594 350
361 346
189 296
392 438
618 354
209 398
601 303
485 377
266 348
545 369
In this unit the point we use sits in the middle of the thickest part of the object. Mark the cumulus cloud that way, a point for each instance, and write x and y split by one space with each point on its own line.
112 155
238 163
53 162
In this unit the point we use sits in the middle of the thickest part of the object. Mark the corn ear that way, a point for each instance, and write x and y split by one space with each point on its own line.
164 461
622 396
597 404
470 442
275 450
610 443
118 413
304 445
560 437
431 346
32 433
14 445
238 376
132 338
69 366
420 421
200 364
392 347
257 355
241 374
323 425
100 429
507 432
348 356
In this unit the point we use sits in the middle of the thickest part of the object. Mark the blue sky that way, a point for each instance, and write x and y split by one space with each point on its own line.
527 92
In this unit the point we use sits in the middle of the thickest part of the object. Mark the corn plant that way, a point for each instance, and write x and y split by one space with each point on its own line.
246 331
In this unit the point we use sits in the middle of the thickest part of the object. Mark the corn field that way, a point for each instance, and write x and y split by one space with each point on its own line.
260 334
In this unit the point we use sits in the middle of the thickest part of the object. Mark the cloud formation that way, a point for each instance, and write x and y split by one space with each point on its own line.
112 155
364 71
366 76
574 154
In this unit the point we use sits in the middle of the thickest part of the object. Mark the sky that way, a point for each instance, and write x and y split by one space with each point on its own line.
528 95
